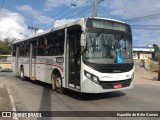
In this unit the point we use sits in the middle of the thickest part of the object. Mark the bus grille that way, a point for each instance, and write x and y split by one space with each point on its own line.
110 84
119 68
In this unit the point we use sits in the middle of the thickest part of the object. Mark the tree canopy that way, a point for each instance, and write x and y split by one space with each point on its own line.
6 46
156 48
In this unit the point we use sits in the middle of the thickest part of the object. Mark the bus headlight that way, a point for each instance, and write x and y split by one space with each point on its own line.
91 77
95 78
130 76
88 75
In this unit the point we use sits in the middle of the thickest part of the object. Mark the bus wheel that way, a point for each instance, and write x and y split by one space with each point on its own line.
53 81
57 83
22 73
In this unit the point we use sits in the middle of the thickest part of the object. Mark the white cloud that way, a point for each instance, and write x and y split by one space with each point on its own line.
37 15
12 25
40 31
133 8
62 22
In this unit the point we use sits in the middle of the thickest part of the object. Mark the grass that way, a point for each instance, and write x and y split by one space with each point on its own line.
154 67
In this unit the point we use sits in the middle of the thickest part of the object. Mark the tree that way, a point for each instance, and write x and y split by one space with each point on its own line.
156 48
6 46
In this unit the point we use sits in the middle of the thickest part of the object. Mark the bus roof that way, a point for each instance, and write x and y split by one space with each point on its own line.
108 19
76 21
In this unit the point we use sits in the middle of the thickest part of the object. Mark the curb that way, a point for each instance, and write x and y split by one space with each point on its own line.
12 103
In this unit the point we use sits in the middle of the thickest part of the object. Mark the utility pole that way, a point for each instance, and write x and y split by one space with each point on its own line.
33 29
95 9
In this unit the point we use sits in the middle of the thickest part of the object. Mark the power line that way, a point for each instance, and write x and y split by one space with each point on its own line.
85 9
146 27
45 25
1 5
33 29
129 19
77 13
142 17
137 8
136 5
80 12
52 18
73 11
149 10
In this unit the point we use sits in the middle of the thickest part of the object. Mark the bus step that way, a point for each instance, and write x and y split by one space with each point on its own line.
33 78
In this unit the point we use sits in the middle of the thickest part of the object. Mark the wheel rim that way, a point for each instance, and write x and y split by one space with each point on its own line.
53 82
58 83
22 74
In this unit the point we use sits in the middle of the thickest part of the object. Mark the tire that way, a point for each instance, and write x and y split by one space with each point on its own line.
22 73
53 82
57 83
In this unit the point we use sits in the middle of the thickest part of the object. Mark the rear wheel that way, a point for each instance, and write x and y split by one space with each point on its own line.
57 83
22 73
53 82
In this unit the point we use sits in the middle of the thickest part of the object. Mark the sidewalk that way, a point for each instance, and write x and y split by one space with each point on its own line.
145 77
6 100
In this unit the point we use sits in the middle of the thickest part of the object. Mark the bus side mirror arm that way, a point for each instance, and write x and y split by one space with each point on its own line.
83 40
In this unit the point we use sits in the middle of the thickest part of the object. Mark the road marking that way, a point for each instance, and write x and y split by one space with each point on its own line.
12 103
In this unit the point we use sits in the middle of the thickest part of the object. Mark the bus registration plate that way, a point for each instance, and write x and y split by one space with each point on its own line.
116 86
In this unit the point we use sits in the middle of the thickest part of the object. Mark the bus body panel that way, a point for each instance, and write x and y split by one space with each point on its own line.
90 86
45 67
42 67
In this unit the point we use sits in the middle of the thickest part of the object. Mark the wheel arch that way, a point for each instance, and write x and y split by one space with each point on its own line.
56 71
21 66
58 74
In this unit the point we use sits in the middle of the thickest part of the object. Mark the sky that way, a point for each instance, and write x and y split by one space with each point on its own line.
17 15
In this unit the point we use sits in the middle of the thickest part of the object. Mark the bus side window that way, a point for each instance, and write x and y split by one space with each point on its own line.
41 46
21 49
54 44
48 50
34 52
26 48
60 46
14 50
58 43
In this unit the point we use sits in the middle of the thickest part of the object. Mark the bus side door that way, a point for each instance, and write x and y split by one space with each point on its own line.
74 56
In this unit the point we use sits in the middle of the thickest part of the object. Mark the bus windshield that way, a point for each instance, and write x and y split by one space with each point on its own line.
103 48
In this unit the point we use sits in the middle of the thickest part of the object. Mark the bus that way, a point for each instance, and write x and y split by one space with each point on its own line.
88 55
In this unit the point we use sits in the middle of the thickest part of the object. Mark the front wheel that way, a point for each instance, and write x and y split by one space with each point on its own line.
57 83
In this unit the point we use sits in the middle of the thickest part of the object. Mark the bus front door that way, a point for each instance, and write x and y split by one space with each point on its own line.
74 58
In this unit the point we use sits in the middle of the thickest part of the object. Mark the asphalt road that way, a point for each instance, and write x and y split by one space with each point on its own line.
37 96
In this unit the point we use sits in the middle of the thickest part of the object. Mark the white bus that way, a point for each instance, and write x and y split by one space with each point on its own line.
89 55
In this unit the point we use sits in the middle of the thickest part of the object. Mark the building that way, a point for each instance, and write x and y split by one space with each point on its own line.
141 52
5 61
